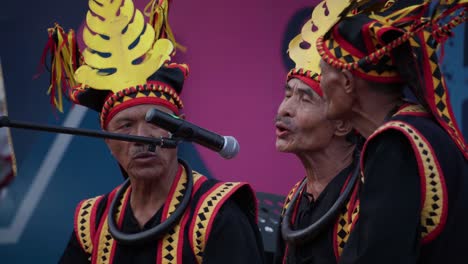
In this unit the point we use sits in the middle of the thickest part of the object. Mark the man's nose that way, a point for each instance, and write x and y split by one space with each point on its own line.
286 108
144 129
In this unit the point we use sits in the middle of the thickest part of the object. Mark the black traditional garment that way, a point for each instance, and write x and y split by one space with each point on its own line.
306 212
219 226
412 205
414 196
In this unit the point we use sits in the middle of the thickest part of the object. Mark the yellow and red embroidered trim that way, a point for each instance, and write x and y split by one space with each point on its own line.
413 110
105 250
153 92
291 193
287 203
434 201
346 221
170 247
205 213
85 222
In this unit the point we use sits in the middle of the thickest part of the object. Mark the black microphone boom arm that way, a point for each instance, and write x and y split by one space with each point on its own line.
162 142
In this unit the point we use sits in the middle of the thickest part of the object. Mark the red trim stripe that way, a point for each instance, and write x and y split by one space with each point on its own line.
96 248
137 101
443 218
167 204
93 218
169 198
415 148
196 186
218 206
75 223
314 85
293 216
126 198
434 233
345 44
199 204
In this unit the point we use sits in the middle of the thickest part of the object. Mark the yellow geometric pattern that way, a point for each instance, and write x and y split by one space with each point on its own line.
106 241
441 103
334 50
344 226
411 108
170 242
149 90
204 215
289 197
83 224
433 185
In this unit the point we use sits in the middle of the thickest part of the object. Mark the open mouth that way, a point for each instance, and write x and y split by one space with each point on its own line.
282 130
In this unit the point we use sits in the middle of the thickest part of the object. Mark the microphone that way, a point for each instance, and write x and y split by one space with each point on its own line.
226 146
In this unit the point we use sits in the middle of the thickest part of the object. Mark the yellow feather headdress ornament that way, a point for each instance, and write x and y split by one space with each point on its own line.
125 60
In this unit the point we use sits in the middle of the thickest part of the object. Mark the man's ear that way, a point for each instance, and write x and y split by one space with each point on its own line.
349 82
342 128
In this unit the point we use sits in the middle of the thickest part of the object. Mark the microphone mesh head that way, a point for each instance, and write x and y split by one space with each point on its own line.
230 148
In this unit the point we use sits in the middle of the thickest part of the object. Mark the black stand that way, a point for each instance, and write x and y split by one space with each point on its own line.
162 142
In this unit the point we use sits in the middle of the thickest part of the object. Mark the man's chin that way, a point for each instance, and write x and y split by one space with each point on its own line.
283 147
143 171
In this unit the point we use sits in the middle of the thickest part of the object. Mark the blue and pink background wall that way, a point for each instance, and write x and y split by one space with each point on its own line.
237 54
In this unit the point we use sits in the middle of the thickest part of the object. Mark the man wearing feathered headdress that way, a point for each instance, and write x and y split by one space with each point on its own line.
328 152
164 212
412 205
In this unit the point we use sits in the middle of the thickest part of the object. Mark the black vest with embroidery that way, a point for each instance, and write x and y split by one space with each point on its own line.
185 242
443 172
288 202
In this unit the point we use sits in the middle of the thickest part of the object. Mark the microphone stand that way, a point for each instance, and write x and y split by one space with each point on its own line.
162 142
146 235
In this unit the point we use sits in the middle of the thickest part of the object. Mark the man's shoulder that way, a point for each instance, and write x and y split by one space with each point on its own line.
90 210
99 200
214 196
240 192
421 132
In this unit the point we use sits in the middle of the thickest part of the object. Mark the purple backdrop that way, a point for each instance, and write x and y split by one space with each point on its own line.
236 83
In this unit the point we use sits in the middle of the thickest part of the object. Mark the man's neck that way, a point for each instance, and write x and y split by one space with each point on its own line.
321 167
148 195
370 114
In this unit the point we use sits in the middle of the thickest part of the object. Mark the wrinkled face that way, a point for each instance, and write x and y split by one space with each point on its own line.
135 158
338 102
301 124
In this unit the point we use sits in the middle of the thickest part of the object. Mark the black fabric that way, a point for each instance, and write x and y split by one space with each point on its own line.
234 234
351 33
349 28
172 76
389 205
92 98
320 249
388 228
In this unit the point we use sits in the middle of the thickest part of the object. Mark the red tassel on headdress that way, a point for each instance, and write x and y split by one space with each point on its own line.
157 11
65 58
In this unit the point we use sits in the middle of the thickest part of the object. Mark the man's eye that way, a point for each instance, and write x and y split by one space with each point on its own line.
125 125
